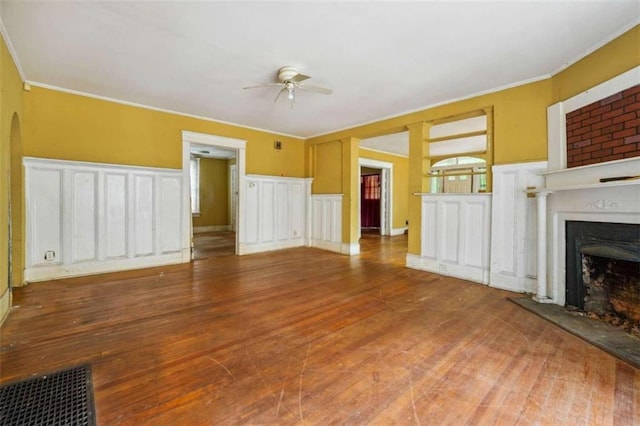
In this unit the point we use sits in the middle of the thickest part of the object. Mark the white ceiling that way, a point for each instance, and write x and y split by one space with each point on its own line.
208 151
380 58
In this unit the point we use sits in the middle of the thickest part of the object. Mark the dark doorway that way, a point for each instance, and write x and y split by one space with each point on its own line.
370 199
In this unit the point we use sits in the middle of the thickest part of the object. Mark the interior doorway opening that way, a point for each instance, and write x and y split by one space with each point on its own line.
213 172
370 199
376 193
213 200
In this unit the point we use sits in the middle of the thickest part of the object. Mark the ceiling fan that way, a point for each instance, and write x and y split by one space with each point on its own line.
290 81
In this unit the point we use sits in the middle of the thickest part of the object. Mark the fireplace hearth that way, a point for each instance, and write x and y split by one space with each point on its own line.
603 269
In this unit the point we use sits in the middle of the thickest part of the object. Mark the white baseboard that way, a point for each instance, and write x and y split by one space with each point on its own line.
470 273
398 231
45 273
342 248
5 305
350 249
259 248
211 228
326 245
512 283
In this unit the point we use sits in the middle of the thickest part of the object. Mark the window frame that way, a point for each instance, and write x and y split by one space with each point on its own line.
194 184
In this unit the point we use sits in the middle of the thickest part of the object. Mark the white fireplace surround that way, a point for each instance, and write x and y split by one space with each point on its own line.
577 193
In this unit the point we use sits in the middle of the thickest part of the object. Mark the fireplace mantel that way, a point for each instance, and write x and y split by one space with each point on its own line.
576 193
550 190
615 203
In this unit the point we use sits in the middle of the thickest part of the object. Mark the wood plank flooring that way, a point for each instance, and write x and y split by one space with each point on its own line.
212 244
305 336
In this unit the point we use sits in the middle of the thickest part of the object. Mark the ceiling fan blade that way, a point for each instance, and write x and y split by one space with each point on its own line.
316 89
263 85
284 89
299 77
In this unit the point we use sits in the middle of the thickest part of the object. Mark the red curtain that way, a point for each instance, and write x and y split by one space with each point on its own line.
370 201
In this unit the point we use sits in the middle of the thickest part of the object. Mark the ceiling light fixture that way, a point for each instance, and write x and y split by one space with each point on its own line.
291 95
290 80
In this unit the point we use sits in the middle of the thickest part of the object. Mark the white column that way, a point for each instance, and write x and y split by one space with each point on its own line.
541 199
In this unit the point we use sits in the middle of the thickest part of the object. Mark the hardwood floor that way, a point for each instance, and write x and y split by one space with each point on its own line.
212 244
307 336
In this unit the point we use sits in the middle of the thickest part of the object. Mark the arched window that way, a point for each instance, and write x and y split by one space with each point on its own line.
459 175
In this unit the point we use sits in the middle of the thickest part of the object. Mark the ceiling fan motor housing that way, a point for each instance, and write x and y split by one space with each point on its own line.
287 73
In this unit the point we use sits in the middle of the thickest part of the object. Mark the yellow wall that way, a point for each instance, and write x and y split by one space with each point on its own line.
327 163
400 184
73 127
616 57
214 193
520 121
351 190
11 114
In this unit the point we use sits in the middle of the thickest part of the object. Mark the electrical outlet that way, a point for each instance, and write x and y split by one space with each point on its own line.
442 268
49 255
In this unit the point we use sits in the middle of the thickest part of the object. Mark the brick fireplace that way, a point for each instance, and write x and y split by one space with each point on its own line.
585 183
605 130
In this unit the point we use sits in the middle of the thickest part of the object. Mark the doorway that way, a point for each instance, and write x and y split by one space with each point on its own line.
370 199
211 193
377 207
214 211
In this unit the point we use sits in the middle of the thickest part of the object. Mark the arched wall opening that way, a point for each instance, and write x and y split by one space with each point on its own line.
16 206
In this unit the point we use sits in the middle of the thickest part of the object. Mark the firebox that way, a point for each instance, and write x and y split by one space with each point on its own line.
603 267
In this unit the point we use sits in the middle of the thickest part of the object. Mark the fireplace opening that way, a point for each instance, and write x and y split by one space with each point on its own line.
603 272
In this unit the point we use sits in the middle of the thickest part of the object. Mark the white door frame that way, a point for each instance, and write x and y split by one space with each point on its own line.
233 197
386 193
239 146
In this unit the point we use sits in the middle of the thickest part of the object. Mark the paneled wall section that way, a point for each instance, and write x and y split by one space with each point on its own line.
85 218
513 226
276 213
326 223
455 236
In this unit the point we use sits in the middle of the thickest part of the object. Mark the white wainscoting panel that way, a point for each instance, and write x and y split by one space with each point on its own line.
44 216
143 215
83 216
326 219
513 226
276 213
115 222
455 236
169 211
86 218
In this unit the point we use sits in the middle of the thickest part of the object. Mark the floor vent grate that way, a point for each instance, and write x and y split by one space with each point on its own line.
60 398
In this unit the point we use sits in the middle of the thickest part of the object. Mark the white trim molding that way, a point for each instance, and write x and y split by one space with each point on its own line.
399 231
386 199
239 146
350 249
